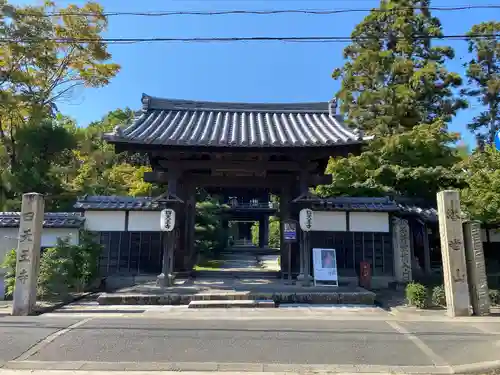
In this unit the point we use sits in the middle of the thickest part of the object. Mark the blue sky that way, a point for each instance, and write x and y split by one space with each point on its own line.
242 71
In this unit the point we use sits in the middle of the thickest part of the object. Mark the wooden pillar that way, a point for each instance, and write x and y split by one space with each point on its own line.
265 230
166 278
180 241
190 224
305 251
427 251
284 213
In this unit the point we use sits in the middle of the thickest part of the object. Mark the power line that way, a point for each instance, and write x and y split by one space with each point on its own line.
306 39
255 12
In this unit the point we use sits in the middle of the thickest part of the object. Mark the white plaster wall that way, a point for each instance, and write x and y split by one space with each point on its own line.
494 235
327 221
8 238
105 221
144 221
369 222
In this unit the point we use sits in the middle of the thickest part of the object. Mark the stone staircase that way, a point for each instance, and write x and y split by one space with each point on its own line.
235 274
227 304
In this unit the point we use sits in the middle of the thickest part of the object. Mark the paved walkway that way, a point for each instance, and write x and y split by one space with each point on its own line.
246 261
345 339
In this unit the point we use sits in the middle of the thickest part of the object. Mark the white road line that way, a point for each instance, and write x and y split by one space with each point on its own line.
38 346
485 329
436 359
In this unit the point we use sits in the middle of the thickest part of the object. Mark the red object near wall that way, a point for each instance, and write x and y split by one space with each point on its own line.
365 275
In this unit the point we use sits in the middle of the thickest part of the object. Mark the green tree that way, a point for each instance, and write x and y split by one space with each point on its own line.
483 76
41 150
210 237
274 232
481 198
43 59
394 85
97 170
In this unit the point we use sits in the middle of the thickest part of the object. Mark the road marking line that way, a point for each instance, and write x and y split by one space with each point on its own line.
489 331
41 344
435 358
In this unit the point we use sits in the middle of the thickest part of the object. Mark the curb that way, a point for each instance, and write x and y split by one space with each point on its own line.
51 308
84 366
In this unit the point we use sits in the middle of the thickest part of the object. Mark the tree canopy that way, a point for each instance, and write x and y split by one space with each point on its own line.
395 86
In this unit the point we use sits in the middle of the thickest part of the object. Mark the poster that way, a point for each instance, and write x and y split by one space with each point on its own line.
325 265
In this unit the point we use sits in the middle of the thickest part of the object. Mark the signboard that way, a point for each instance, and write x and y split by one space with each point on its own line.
167 220
497 140
289 231
325 266
306 219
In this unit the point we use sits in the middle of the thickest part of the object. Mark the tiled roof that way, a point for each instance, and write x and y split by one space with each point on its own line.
190 123
357 204
428 214
51 220
116 203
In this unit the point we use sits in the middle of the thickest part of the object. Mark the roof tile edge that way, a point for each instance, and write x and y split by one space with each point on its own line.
157 103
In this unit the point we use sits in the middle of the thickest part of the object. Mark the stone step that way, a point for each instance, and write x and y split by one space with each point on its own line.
356 296
227 304
221 296
236 274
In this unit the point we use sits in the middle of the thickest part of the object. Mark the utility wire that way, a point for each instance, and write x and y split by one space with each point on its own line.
306 39
254 12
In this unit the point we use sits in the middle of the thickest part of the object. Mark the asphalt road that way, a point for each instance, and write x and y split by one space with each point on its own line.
298 341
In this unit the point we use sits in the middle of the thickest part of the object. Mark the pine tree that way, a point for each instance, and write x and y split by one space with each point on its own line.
483 76
394 85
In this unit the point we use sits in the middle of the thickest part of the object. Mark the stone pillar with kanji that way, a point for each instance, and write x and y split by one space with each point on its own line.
453 253
28 254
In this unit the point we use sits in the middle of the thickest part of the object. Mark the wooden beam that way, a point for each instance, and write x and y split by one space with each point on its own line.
203 180
251 166
243 181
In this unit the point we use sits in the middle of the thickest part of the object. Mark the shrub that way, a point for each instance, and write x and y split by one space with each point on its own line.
494 296
63 269
416 295
9 264
438 296
56 270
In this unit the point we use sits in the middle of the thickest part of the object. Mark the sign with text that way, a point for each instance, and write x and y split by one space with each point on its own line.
306 219
325 265
28 253
167 220
289 231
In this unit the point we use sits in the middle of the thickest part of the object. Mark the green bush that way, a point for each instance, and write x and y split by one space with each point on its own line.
438 297
64 268
274 233
416 295
494 296
9 264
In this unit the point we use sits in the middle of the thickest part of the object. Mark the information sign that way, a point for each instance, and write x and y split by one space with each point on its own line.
290 231
325 266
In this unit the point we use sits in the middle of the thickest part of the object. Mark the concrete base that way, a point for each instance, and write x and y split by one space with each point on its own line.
227 304
236 290
165 280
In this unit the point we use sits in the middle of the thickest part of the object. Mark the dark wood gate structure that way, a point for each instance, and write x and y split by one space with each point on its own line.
263 149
